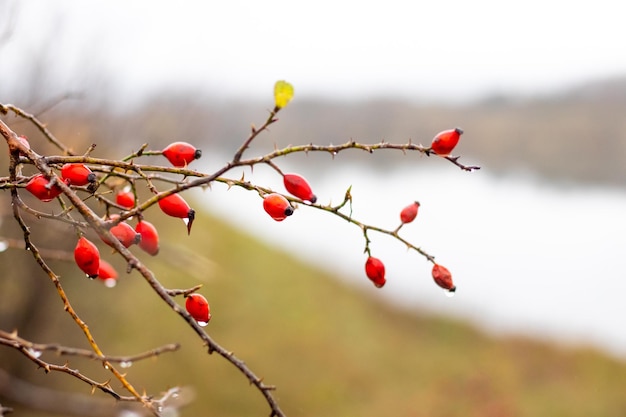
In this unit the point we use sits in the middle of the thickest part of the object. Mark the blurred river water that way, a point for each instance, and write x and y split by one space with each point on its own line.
529 257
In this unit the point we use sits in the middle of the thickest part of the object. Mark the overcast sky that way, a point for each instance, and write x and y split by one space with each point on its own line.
444 49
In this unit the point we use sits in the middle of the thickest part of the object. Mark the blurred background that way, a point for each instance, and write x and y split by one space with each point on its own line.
534 239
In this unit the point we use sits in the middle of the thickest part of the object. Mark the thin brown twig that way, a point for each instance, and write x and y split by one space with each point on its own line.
334 210
55 102
35 121
48 367
41 215
48 253
12 338
184 292
253 134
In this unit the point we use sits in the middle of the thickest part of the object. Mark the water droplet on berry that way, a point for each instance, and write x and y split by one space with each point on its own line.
449 293
110 282
4 245
203 323
126 364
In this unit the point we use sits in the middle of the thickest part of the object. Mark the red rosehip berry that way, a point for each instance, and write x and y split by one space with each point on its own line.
174 205
125 198
198 307
40 187
149 237
77 174
181 154
443 277
409 213
123 232
87 257
297 186
444 142
375 271
24 141
277 206
107 274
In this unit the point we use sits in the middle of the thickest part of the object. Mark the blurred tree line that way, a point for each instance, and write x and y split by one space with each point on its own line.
578 136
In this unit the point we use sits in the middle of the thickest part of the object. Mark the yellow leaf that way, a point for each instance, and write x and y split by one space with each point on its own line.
283 93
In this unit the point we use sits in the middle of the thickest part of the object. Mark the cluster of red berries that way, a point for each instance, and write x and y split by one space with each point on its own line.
144 234
71 174
173 205
87 255
179 154
278 207
375 268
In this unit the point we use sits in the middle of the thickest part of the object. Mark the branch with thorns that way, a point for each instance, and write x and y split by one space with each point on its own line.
36 349
129 171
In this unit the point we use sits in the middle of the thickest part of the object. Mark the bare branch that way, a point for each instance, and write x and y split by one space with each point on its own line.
12 340
80 405
126 170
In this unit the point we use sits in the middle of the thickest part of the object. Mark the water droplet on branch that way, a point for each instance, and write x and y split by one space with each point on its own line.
34 352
